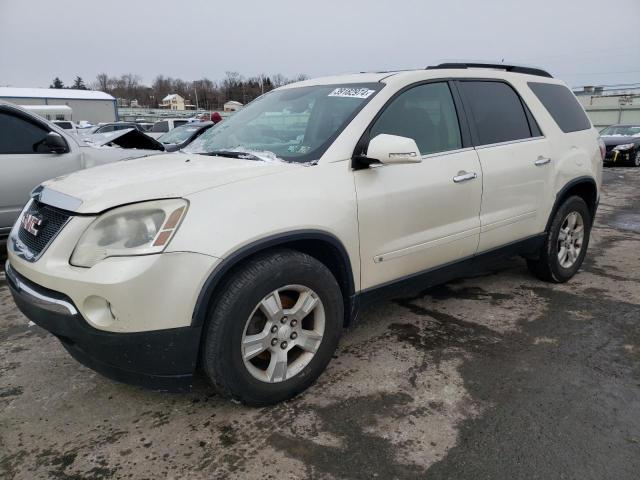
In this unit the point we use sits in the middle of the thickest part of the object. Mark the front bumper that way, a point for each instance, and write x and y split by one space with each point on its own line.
617 156
159 359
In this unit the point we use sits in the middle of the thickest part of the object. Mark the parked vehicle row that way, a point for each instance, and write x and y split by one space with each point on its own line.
247 253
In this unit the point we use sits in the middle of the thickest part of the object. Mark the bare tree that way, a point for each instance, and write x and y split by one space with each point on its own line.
211 95
101 83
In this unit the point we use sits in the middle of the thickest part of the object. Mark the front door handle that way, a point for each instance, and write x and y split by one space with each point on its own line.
464 176
542 161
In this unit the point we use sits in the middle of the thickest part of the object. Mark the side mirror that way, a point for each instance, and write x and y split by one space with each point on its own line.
389 150
55 143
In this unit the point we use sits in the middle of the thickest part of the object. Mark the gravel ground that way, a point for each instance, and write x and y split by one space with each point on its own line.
498 376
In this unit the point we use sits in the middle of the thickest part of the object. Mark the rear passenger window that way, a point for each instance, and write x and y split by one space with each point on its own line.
562 105
425 113
496 111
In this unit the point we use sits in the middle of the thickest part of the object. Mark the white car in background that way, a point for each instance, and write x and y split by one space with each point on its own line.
67 125
165 125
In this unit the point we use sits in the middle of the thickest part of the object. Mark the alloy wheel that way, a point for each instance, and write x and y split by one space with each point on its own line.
570 239
283 333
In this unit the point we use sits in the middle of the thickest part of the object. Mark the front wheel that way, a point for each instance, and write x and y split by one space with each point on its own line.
566 244
634 161
273 329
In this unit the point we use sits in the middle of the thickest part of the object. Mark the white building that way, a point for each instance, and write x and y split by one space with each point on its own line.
173 101
608 107
86 105
232 106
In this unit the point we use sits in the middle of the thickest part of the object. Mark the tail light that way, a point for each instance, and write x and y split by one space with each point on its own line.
603 148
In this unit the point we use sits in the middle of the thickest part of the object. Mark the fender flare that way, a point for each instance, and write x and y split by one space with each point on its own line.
204 297
563 191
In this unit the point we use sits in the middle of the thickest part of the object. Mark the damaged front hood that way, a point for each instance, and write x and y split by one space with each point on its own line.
159 176
127 138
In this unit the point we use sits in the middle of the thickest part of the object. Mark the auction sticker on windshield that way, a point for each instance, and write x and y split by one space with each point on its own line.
351 92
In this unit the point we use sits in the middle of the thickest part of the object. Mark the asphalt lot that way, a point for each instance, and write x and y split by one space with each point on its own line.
499 376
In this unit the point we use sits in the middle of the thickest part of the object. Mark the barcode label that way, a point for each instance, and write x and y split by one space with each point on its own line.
351 92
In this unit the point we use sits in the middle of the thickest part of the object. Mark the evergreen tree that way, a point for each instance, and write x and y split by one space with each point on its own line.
78 84
57 83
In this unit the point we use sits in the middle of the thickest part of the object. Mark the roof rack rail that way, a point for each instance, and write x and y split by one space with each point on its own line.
509 68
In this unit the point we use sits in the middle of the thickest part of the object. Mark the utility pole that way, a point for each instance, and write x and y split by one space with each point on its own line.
195 89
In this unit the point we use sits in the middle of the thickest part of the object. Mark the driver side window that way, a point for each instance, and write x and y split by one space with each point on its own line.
426 114
18 136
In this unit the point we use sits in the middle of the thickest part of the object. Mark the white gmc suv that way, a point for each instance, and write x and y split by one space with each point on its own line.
247 254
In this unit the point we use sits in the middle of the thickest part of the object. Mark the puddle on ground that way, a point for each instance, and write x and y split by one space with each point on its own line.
627 221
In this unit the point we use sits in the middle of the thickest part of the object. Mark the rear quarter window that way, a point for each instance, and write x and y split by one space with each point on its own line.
496 111
562 106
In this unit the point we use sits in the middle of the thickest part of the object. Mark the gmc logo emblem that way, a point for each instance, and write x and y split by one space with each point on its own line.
31 223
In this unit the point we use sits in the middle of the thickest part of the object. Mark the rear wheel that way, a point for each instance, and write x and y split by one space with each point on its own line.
273 329
566 244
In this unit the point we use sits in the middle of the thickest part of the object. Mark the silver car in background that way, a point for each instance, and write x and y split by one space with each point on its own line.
33 150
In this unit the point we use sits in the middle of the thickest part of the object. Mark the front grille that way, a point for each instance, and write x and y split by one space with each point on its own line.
53 219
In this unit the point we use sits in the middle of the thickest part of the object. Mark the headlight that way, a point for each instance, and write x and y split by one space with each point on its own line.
137 229
626 146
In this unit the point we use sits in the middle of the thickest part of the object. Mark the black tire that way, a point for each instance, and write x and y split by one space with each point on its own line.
634 159
221 351
547 267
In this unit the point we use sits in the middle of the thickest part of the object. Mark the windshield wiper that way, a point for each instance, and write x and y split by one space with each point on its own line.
231 154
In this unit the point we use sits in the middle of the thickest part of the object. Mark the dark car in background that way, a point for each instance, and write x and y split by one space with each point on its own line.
623 145
180 137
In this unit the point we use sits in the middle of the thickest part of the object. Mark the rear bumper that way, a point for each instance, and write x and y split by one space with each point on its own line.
159 359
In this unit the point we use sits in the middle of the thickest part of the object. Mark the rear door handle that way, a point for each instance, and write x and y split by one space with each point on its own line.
542 161
464 176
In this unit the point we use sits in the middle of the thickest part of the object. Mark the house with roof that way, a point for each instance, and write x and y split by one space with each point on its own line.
173 101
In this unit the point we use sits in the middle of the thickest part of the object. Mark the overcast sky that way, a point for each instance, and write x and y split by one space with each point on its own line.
582 42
